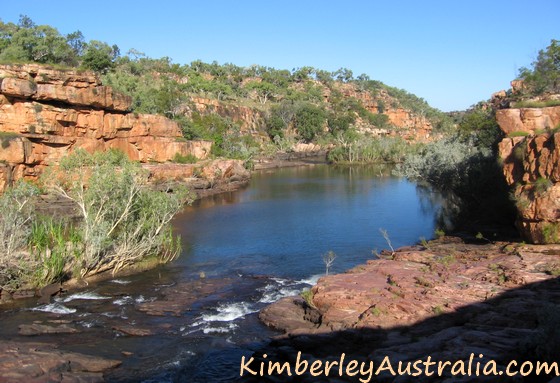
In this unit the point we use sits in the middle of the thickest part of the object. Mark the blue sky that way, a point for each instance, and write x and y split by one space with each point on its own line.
451 53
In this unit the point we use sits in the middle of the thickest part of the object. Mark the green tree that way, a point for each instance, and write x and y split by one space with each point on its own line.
309 121
265 90
544 76
99 56
481 123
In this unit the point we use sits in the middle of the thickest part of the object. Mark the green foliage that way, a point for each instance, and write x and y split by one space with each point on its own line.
535 104
307 296
371 150
309 121
541 185
99 56
551 232
438 310
481 124
188 159
54 244
264 90
279 118
340 123
28 42
518 134
544 74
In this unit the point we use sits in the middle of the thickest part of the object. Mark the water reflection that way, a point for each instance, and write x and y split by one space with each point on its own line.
286 219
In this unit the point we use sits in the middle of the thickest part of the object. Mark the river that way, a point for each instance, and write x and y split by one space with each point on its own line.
241 251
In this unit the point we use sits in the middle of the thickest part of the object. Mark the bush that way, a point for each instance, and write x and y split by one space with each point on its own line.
16 215
372 150
123 221
467 174
309 121
188 159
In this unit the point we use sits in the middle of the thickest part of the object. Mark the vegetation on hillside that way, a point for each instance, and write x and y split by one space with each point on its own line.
306 104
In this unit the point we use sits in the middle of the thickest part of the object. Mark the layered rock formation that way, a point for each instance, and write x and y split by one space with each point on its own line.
531 165
45 114
410 126
528 120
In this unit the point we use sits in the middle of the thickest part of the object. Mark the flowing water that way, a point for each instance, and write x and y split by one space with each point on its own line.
241 251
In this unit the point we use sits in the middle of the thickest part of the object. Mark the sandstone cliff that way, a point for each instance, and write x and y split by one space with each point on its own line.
46 113
531 165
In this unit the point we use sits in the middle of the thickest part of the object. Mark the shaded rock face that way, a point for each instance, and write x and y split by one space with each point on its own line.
46 114
531 165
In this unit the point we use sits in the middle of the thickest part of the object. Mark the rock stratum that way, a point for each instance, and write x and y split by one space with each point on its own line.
46 114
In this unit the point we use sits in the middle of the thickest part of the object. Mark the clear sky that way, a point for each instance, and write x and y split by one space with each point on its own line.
452 53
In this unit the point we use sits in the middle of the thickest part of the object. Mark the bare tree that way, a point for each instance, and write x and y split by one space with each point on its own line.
387 239
328 260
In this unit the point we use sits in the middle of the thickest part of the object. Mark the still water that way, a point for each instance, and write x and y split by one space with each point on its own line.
253 247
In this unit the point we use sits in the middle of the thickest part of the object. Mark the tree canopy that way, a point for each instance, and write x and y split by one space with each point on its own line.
544 74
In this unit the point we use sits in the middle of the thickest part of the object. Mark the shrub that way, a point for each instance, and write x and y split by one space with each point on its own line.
187 159
123 221
371 150
518 134
309 121
16 215
467 174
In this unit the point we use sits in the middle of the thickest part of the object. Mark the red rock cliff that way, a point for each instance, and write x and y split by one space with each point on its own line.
46 113
531 165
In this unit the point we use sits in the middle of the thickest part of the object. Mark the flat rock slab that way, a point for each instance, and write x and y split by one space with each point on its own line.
41 329
39 362
133 331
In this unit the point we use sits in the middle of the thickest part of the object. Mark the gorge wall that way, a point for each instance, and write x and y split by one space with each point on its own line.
531 166
46 114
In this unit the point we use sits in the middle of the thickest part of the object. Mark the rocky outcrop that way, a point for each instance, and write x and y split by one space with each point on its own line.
528 120
410 126
40 362
445 300
531 166
204 177
46 114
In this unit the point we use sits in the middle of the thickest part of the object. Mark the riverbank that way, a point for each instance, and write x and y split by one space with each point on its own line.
444 299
